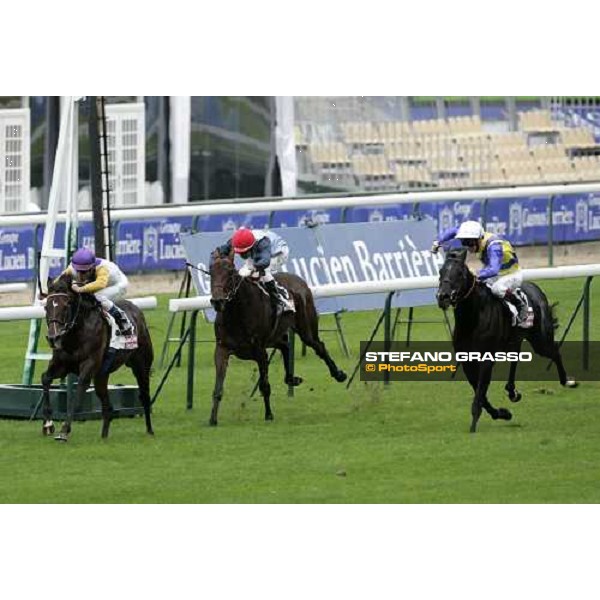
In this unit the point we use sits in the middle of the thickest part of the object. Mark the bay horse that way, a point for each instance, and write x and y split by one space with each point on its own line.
244 327
484 324
79 337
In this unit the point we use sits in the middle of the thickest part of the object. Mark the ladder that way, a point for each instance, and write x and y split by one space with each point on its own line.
105 176
65 184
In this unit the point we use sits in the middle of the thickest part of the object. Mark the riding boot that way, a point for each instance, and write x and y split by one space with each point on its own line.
276 304
520 304
121 319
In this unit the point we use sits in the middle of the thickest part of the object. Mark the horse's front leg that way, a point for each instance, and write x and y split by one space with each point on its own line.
485 376
54 371
85 377
263 383
101 388
480 401
221 361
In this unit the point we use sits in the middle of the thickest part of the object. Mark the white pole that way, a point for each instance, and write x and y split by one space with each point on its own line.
394 285
25 313
202 208
12 287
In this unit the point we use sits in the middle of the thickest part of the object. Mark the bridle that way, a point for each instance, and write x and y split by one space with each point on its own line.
234 288
457 299
66 326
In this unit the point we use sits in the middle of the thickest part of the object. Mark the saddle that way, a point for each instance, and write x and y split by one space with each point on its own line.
117 341
285 300
527 322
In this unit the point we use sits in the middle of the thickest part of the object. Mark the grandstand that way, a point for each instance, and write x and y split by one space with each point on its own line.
399 143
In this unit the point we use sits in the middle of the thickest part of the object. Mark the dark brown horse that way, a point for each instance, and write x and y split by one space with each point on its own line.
79 337
244 327
484 324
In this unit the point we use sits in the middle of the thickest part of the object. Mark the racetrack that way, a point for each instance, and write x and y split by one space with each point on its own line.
408 443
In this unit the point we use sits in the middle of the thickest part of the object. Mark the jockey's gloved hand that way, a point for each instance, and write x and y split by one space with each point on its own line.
245 271
256 274
76 288
435 247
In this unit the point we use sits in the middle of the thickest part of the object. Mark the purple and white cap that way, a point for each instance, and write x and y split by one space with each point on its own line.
84 260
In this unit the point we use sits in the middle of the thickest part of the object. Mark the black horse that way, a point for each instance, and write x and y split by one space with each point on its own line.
244 327
79 336
484 324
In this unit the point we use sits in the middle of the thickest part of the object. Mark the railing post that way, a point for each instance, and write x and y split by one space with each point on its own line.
484 207
586 323
191 360
550 231
387 331
291 350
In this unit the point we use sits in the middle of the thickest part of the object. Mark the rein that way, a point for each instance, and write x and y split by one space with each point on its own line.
470 290
235 288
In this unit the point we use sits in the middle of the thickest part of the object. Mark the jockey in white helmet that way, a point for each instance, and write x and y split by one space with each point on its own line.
500 272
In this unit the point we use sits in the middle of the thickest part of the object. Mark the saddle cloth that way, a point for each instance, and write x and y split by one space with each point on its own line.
287 300
528 322
120 342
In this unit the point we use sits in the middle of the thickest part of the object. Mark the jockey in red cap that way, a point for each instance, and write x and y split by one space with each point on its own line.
102 278
265 253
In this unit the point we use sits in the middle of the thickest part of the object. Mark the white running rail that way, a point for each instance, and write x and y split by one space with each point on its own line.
393 285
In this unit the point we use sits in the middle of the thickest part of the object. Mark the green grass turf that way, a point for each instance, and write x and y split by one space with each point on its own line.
408 443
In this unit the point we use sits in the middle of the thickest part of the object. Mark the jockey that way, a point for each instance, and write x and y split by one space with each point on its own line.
105 280
501 271
265 253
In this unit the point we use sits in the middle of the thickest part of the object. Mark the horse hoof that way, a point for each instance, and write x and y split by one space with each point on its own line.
269 417
48 428
295 381
515 397
61 437
212 423
571 383
340 376
504 414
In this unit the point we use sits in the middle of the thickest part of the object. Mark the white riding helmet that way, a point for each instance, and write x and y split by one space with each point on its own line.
469 230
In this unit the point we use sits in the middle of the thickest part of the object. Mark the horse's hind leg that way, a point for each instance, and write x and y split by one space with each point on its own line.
513 394
263 383
101 388
141 370
307 326
221 360
549 349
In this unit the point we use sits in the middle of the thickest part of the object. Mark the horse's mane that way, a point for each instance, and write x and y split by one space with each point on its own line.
61 284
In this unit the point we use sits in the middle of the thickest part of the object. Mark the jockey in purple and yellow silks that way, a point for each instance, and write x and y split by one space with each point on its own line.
500 272
102 278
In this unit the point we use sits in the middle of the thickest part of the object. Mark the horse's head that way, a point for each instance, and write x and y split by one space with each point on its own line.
223 277
59 303
455 279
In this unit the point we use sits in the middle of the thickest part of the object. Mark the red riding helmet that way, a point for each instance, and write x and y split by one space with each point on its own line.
243 239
